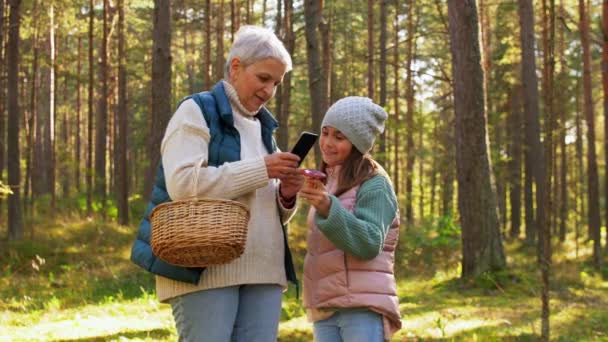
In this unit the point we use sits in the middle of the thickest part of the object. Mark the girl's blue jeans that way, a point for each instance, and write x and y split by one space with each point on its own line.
235 313
350 325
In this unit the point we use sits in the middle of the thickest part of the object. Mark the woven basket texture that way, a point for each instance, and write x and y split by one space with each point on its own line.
199 233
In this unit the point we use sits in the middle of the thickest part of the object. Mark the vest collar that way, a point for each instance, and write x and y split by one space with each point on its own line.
223 104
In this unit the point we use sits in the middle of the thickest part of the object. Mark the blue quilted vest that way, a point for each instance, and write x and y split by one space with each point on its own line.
224 146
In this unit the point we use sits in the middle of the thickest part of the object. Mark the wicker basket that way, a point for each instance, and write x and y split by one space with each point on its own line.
199 233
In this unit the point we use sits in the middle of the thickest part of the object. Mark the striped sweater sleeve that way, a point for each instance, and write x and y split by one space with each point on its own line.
362 232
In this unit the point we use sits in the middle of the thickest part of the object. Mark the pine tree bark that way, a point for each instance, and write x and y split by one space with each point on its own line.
396 96
28 191
561 98
122 180
290 44
382 42
207 65
370 49
481 242
592 176
278 98
535 151
50 142
219 32
3 87
605 89
15 220
515 128
316 75
78 133
409 116
580 167
91 114
532 149
101 127
161 85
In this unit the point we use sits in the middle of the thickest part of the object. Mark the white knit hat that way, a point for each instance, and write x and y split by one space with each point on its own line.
358 118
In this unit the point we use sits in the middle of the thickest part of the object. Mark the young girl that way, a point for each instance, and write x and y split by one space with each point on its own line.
349 285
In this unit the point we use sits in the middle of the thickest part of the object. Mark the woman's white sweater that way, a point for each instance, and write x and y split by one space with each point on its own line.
184 152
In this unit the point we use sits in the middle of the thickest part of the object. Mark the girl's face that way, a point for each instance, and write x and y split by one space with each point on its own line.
335 147
256 83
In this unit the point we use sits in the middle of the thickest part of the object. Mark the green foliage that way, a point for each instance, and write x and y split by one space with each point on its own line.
434 242
5 190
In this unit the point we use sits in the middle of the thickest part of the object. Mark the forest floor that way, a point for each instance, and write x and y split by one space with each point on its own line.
73 281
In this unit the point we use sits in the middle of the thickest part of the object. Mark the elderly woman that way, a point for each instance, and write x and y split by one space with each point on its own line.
219 144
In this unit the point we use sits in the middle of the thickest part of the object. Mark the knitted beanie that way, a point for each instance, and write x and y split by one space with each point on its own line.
358 118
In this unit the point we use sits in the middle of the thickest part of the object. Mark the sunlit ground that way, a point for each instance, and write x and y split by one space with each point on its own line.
74 282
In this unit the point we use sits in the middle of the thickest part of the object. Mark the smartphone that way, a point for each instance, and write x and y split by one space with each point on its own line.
304 144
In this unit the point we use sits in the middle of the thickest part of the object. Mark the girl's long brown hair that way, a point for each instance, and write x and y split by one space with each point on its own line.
357 168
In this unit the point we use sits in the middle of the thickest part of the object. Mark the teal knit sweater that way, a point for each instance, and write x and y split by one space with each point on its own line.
362 232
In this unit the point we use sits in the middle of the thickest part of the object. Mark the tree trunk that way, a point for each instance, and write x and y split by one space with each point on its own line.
101 128
326 49
421 177
233 27
481 243
433 170
580 167
316 75
77 133
396 96
382 138
544 241
290 43
409 116
370 49
592 177
89 168
207 66
531 119
561 104
283 145
28 193
535 163
3 87
63 168
15 221
548 20
122 180
52 111
605 88
515 125
219 57
161 85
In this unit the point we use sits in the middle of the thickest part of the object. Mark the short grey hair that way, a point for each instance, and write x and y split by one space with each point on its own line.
253 44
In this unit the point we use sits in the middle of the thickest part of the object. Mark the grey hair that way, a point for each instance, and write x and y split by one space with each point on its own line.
253 44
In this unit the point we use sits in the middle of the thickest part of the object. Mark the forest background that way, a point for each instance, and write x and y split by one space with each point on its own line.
494 144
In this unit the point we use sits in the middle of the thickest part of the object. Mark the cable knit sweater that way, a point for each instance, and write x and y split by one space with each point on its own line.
184 152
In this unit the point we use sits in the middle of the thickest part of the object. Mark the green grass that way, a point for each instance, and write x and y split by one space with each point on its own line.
74 281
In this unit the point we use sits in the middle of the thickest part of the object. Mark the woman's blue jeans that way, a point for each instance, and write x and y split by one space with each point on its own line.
235 313
350 325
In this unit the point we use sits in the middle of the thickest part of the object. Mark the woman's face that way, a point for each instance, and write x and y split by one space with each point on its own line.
335 147
256 83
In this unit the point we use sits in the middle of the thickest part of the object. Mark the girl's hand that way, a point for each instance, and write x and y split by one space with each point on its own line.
316 194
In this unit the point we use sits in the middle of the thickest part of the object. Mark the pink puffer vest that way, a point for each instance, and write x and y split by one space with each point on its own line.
334 279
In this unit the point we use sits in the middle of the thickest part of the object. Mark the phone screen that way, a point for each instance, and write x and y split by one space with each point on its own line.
304 144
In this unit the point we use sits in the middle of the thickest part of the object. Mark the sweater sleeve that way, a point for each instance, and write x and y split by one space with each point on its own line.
184 152
362 232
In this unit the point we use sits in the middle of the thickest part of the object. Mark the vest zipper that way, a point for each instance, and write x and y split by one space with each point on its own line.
346 271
